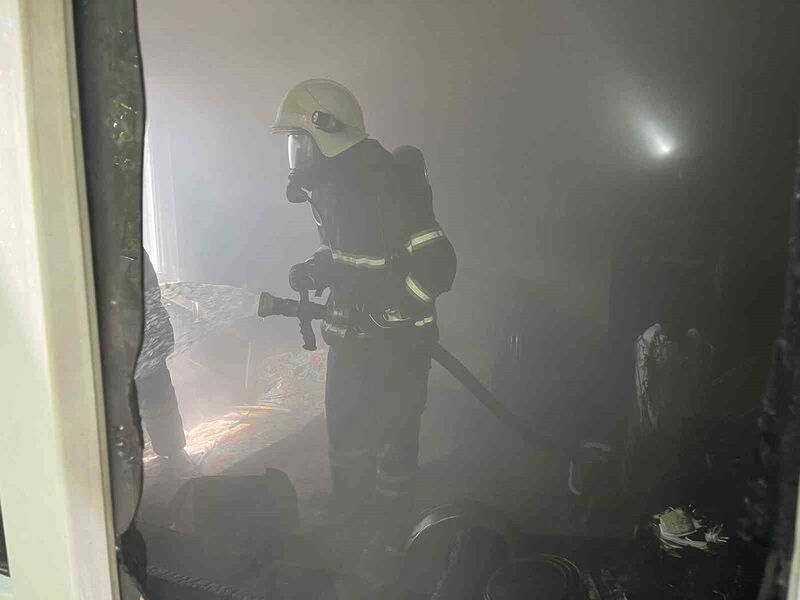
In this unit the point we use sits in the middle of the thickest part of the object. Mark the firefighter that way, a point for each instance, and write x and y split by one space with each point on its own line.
158 404
386 260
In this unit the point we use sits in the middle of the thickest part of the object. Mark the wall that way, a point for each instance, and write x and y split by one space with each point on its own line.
545 125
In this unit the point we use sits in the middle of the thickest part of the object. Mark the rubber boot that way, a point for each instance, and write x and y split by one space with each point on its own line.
391 517
353 490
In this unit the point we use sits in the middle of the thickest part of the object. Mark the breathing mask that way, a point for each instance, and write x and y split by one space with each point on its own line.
303 158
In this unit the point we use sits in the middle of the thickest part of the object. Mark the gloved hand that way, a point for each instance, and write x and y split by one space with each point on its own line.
313 274
301 276
399 263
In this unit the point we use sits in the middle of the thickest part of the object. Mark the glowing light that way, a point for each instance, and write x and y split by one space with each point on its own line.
659 142
663 147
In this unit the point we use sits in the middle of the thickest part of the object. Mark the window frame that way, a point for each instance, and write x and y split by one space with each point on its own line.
54 477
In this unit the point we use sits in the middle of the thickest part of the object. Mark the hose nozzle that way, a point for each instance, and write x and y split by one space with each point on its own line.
269 305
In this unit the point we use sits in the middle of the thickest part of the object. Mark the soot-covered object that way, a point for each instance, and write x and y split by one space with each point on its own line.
542 577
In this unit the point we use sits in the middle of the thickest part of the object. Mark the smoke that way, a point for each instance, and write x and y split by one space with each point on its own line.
545 126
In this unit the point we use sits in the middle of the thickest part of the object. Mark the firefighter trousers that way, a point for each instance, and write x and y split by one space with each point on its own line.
375 395
158 407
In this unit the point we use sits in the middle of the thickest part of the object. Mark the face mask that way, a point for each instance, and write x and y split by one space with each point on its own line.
302 158
301 152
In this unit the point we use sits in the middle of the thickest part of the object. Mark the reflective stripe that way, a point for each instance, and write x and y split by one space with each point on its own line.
425 321
389 480
357 260
384 492
392 315
372 318
350 452
396 491
333 329
423 238
416 290
347 458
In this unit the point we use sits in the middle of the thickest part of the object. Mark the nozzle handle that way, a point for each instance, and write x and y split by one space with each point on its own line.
306 330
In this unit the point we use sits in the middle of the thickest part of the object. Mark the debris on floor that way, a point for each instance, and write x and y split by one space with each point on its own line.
678 529
293 392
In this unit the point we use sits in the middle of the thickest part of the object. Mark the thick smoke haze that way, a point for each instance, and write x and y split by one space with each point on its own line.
544 124
533 116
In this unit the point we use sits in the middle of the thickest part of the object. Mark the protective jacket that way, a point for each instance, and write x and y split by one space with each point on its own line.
388 258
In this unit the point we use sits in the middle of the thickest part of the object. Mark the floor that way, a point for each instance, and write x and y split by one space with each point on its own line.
464 452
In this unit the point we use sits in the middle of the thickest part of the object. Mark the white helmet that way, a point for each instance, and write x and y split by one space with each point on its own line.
325 110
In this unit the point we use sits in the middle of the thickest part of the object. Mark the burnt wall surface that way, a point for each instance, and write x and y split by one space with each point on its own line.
112 117
772 503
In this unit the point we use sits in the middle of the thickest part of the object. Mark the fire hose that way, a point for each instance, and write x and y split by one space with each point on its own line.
306 311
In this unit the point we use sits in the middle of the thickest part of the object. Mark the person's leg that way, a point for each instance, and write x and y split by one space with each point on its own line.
395 491
405 391
161 418
351 449
400 396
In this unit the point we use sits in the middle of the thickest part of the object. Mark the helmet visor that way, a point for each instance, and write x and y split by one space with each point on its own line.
301 151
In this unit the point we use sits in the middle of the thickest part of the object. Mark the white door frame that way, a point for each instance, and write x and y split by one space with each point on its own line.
54 482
